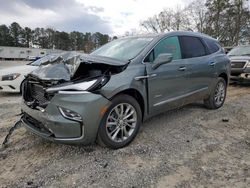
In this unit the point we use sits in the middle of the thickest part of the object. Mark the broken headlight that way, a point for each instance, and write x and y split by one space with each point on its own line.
80 86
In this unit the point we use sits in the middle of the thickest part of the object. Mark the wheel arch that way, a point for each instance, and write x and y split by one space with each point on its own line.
224 76
136 95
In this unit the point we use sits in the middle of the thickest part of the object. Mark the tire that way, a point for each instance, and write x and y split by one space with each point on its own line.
21 86
217 96
121 122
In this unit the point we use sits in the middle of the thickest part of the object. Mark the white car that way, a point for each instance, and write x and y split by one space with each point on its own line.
11 78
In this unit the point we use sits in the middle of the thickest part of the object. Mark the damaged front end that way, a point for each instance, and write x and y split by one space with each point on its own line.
62 100
67 73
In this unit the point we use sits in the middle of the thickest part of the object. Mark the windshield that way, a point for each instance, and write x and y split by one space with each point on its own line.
43 59
240 51
123 49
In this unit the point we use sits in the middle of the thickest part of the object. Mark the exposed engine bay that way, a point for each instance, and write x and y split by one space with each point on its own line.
69 71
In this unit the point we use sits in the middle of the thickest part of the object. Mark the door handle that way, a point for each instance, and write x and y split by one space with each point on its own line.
182 68
212 64
145 77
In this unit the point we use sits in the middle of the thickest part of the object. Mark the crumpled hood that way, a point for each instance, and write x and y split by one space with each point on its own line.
63 66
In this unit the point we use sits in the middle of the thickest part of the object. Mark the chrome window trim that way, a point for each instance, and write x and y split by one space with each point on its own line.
180 46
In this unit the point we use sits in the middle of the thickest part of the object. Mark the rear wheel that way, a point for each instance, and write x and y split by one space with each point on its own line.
218 95
120 123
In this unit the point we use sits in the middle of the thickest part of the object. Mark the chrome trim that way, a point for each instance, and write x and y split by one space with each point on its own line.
238 60
73 92
179 97
200 37
40 108
145 77
33 82
212 64
182 68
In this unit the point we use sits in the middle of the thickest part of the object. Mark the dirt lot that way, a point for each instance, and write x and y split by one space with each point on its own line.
189 147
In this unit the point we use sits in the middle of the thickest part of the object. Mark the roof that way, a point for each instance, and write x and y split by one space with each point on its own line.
179 33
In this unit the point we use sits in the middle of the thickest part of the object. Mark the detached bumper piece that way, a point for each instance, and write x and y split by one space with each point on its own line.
36 125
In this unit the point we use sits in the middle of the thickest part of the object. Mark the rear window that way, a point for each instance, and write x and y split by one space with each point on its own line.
192 47
213 46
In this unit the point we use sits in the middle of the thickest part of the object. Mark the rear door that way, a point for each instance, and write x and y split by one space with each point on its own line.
202 65
169 83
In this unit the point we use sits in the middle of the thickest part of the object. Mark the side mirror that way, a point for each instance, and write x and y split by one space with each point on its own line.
162 59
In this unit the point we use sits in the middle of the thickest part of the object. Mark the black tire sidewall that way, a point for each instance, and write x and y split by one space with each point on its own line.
102 128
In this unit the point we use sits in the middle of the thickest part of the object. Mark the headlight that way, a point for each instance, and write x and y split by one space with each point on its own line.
10 76
81 86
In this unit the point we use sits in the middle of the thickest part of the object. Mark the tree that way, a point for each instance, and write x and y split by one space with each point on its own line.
77 40
5 37
15 35
88 43
167 20
27 35
50 35
227 20
196 14
16 32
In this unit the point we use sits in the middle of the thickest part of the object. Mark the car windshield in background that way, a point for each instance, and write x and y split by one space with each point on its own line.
123 49
240 51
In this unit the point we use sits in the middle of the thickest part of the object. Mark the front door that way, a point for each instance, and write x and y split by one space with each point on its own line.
169 83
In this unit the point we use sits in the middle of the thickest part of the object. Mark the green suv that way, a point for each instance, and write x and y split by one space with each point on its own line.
105 96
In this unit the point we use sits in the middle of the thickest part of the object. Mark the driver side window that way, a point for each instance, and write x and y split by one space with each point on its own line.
168 45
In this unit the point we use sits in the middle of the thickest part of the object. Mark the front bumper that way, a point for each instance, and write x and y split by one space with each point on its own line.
51 125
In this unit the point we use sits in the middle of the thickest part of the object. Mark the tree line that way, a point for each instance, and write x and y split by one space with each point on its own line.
226 20
15 35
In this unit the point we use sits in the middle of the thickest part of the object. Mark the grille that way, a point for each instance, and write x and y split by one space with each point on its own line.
238 64
38 93
34 93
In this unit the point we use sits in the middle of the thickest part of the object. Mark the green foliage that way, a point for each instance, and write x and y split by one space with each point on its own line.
15 35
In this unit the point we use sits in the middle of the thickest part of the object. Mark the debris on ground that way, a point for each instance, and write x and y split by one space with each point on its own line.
11 130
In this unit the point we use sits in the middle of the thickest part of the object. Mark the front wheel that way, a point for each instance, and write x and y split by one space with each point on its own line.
217 96
120 123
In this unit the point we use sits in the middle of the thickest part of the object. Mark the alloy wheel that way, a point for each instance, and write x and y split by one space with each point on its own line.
220 93
121 122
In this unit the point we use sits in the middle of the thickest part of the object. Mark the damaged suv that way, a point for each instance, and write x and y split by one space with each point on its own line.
105 96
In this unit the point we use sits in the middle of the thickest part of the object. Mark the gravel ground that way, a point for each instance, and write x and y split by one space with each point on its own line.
189 147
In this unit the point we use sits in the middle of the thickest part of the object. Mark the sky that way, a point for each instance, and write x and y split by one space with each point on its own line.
113 17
